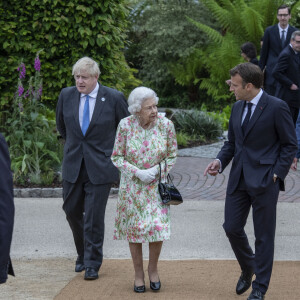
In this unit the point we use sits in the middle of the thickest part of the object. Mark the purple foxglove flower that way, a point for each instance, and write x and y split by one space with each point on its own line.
20 90
27 94
37 64
22 70
40 91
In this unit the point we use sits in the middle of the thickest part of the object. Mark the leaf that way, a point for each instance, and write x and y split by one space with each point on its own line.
27 143
40 145
33 115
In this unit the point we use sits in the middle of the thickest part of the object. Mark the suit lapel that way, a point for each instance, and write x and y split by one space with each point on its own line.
295 57
100 102
240 110
277 36
262 103
288 35
76 100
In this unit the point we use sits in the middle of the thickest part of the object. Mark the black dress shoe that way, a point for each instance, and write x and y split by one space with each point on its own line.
256 295
244 282
139 289
79 265
90 273
155 286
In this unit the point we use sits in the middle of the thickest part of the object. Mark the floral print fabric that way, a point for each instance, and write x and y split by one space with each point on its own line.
141 216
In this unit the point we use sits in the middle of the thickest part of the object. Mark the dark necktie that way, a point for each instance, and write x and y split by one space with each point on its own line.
86 116
282 38
247 118
298 58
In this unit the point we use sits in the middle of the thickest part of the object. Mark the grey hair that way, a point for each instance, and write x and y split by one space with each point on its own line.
138 96
86 64
294 34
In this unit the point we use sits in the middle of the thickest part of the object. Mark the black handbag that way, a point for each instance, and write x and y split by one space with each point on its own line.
168 192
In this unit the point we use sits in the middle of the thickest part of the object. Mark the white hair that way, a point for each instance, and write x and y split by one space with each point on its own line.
138 96
88 65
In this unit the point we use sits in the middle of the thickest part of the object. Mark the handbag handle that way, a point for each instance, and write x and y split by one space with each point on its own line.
168 176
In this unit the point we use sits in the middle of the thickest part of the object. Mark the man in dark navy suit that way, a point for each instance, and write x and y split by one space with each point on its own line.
275 39
262 143
7 211
287 74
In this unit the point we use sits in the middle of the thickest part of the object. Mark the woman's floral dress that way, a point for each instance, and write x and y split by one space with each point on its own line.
141 215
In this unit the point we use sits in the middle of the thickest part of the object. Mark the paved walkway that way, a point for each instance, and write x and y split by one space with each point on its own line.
43 250
188 176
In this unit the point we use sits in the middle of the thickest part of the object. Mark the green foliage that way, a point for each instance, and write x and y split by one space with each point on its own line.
239 21
182 139
67 31
222 116
35 152
162 40
198 123
185 140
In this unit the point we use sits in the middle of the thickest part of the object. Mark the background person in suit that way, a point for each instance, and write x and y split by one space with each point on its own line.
276 38
287 74
7 211
249 53
87 117
260 165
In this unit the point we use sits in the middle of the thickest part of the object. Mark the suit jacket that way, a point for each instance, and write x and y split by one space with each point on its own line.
268 146
254 61
7 211
271 49
97 144
287 72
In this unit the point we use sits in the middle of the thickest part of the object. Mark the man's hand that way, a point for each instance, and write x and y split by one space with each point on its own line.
294 87
294 164
213 168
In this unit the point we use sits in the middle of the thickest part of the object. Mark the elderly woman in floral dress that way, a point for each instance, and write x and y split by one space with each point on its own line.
143 140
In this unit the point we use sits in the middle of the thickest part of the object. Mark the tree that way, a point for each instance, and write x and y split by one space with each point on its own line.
240 21
66 31
162 40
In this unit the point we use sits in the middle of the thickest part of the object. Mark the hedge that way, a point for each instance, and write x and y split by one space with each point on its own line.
66 31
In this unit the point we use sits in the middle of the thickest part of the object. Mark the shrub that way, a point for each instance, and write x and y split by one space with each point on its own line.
198 123
222 116
35 152
67 31
182 139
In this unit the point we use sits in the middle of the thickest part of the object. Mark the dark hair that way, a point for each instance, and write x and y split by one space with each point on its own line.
284 6
249 49
250 73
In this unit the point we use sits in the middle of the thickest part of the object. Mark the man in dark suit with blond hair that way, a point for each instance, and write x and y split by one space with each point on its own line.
262 143
87 117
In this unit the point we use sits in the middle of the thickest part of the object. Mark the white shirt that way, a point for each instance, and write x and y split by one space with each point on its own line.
285 31
92 102
254 101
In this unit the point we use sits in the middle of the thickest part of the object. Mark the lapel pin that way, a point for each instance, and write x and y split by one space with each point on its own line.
102 99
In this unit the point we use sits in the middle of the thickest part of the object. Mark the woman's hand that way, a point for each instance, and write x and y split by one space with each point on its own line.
146 176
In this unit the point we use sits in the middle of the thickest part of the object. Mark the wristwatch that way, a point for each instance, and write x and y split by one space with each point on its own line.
275 177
